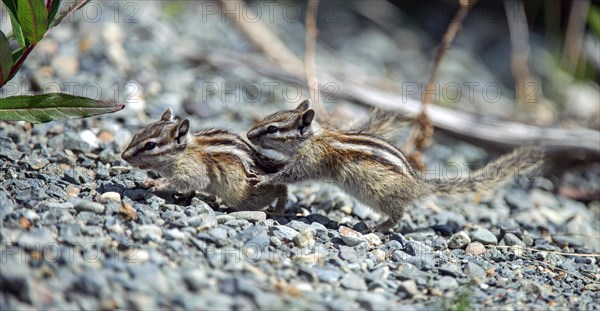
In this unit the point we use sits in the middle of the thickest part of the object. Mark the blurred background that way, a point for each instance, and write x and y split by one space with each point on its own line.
230 63
515 73
165 50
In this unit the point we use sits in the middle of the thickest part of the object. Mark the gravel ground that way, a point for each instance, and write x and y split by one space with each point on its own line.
78 232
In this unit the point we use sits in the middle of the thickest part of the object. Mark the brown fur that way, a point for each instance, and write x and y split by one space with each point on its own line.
213 160
362 164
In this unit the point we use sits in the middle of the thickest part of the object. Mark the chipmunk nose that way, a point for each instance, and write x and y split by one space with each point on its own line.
125 155
251 135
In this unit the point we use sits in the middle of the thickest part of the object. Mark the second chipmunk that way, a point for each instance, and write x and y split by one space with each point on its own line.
365 165
213 160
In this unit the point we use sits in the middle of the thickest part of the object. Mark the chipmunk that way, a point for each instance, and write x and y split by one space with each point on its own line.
213 160
365 165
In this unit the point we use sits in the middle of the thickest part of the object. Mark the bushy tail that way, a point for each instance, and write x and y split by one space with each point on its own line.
521 161
381 123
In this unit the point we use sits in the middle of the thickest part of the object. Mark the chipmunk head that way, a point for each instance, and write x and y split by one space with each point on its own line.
285 130
158 143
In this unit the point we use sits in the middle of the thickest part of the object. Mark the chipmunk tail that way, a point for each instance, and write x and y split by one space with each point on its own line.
382 123
524 161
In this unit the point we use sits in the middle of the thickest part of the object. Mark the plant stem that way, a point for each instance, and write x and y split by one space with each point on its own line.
19 62
75 8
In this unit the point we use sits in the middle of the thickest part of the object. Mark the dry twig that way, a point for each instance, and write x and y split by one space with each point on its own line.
568 143
261 36
519 37
422 131
575 32
310 67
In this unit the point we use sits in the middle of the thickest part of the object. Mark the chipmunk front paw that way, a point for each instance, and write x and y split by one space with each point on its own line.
156 185
258 181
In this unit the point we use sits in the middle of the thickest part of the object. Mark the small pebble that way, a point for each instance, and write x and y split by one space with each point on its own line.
89 206
484 236
304 239
252 216
110 197
475 249
350 237
459 240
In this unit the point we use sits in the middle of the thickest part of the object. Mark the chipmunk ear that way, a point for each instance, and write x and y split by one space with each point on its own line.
305 105
183 127
308 117
167 115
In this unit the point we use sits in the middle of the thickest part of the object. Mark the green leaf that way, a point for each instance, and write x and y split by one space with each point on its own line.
6 60
17 31
594 19
54 6
33 16
74 7
12 6
16 54
53 106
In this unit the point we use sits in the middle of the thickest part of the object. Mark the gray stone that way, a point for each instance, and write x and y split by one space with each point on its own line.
373 301
509 225
353 281
220 235
36 239
484 236
70 232
518 199
15 277
423 235
252 216
409 287
446 283
10 154
348 254
451 270
475 272
174 234
284 233
319 229
89 206
350 237
73 176
510 239
238 224
328 275
305 238
300 226
563 240
196 280
148 232
407 271
221 219
73 142
543 198
318 218
378 274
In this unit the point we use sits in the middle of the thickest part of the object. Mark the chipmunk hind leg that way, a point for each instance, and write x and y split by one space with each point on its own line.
262 197
281 199
394 210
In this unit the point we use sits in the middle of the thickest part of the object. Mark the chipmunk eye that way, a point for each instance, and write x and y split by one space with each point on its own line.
149 145
272 129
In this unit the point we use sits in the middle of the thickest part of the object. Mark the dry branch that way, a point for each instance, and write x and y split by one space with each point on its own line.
519 37
575 32
310 66
262 38
571 143
422 131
